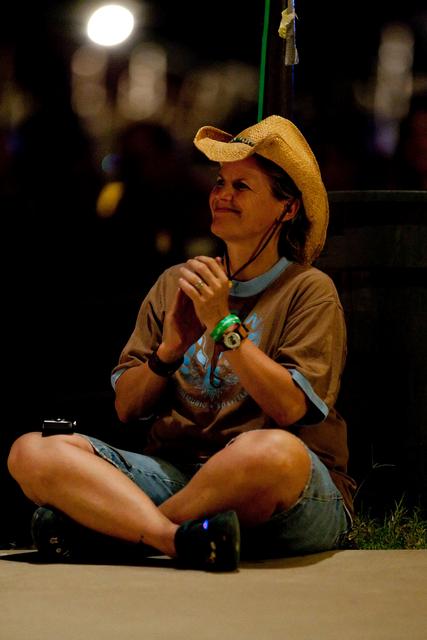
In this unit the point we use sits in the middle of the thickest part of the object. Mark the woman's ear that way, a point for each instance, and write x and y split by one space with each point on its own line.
290 210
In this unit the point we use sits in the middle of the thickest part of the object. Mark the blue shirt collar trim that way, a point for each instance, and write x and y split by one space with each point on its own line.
246 288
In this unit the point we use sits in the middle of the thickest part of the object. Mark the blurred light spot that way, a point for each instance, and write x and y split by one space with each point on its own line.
163 242
110 25
142 88
109 198
394 84
89 62
109 163
200 246
89 99
212 94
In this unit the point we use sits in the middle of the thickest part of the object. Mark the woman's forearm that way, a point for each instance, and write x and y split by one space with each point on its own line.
268 383
137 391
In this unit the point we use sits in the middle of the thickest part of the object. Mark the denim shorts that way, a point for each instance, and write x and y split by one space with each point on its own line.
317 522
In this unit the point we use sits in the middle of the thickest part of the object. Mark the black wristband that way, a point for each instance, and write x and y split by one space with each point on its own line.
164 369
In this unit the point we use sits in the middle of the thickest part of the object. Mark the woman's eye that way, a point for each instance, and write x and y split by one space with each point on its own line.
238 185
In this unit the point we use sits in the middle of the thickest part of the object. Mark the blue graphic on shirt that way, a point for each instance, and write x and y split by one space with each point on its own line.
214 389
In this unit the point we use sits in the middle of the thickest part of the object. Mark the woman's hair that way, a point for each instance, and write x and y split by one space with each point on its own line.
294 232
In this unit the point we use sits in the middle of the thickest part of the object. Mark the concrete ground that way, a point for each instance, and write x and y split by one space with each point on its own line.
351 595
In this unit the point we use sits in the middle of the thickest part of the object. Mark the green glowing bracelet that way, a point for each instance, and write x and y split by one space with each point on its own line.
223 324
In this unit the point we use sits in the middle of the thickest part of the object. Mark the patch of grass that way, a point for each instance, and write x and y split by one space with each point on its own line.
399 529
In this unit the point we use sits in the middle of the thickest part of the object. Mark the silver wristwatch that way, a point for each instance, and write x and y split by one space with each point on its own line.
233 338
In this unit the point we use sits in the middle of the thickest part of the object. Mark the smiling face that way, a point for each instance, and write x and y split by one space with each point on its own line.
242 204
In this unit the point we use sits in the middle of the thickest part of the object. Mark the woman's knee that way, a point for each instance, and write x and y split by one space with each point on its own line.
273 449
22 453
32 455
278 460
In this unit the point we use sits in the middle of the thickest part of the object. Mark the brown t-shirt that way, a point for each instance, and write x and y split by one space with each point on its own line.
298 321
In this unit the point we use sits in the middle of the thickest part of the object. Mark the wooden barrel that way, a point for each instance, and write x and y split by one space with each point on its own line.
376 253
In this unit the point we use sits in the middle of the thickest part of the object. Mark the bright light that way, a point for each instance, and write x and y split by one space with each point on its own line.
110 25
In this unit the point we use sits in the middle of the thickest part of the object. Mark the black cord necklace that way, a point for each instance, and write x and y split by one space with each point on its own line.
259 249
215 380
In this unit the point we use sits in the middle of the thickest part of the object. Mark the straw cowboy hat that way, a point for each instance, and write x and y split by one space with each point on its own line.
280 141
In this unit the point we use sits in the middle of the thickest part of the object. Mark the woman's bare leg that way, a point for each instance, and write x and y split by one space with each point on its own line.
260 472
64 472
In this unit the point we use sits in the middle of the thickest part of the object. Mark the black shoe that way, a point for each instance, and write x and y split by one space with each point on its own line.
212 544
52 534
58 538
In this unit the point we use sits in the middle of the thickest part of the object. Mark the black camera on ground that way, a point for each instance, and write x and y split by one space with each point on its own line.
57 426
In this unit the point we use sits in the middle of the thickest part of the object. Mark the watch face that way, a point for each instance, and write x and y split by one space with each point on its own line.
232 340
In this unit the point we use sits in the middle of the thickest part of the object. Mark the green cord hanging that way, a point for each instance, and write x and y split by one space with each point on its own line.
262 69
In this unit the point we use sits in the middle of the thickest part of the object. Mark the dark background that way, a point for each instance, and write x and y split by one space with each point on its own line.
73 279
